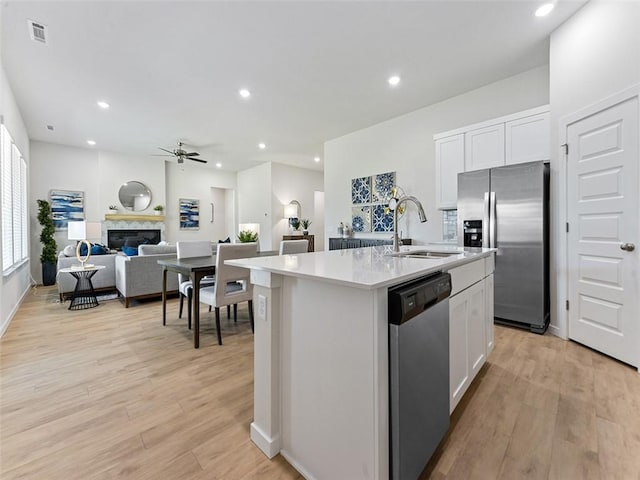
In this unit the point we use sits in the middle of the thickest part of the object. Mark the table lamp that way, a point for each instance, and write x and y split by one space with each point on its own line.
78 231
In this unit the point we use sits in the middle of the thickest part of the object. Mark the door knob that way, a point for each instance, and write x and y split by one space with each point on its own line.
629 247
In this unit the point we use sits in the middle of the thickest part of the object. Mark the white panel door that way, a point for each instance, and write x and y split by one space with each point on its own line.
489 328
449 163
477 318
459 378
602 203
484 148
527 139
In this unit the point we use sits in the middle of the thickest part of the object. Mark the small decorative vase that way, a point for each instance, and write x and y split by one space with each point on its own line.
158 212
305 232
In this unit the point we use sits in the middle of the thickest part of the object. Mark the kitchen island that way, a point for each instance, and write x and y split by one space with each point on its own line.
321 388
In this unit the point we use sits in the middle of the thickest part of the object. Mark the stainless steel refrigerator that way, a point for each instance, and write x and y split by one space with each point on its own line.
508 208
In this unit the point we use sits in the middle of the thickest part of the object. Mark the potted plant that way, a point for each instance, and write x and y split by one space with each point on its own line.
113 209
246 236
158 209
48 255
305 222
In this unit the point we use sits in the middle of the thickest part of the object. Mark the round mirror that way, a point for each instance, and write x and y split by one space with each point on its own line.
134 196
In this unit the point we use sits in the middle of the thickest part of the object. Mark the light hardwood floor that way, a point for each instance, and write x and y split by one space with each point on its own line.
109 393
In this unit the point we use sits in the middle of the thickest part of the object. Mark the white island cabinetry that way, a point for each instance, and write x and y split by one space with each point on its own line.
321 354
470 324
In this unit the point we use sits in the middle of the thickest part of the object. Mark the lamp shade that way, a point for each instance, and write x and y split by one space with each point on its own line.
77 230
291 211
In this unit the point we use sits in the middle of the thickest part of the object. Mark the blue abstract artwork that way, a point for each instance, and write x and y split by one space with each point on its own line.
189 214
361 219
381 186
66 206
382 222
361 190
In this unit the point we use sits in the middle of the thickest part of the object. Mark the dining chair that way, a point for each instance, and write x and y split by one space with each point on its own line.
191 249
232 284
288 247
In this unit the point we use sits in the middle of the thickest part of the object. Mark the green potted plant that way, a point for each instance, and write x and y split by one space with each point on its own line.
49 247
112 209
305 222
158 209
295 225
246 236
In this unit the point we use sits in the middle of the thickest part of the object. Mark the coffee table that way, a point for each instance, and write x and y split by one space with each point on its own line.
84 296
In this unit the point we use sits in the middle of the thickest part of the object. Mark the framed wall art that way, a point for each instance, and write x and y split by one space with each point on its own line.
189 209
66 205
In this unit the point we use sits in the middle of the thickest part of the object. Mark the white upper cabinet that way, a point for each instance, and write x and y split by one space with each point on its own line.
484 147
449 163
528 139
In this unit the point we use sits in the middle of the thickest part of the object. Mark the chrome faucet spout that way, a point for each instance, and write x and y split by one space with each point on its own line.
421 215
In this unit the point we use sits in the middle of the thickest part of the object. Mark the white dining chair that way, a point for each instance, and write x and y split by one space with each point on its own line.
191 249
232 284
289 247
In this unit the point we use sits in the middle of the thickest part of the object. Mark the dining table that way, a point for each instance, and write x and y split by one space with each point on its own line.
196 268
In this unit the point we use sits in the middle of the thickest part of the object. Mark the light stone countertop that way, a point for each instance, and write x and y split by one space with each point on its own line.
366 268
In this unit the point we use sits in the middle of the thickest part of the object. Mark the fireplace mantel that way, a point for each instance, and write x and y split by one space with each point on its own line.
115 217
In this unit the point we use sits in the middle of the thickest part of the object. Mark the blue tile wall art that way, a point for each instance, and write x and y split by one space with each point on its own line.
382 222
66 206
361 190
369 197
361 219
381 186
189 214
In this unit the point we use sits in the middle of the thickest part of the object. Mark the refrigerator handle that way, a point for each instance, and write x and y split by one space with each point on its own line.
485 221
493 224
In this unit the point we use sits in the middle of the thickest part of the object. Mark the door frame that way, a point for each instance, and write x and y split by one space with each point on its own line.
562 239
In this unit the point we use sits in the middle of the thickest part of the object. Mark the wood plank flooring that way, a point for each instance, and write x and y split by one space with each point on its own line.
110 393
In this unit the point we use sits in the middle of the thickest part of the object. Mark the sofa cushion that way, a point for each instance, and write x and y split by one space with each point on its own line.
156 249
69 251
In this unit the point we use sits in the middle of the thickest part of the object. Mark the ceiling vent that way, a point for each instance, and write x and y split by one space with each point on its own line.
37 31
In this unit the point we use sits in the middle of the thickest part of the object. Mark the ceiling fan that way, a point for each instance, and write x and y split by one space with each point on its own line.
181 154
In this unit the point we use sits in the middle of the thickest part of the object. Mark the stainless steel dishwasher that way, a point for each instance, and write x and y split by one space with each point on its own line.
418 372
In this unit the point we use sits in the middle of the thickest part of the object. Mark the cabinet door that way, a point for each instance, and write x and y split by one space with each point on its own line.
484 148
528 139
449 163
488 286
477 314
459 378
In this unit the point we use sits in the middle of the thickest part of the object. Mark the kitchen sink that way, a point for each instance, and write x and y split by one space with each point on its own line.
425 254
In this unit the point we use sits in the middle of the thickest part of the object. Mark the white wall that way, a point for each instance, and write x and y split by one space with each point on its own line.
254 201
14 286
405 145
265 189
291 183
192 180
593 55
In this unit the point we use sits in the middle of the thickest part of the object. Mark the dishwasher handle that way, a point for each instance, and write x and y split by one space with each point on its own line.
409 300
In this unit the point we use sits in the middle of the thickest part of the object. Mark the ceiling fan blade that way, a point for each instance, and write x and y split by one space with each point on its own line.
191 154
165 150
161 155
197 160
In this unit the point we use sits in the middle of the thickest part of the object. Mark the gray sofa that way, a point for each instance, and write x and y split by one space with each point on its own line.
104 280
140 276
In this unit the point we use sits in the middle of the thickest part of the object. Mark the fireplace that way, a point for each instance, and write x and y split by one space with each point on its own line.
117 238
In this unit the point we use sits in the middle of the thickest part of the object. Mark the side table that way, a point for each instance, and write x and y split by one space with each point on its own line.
84 296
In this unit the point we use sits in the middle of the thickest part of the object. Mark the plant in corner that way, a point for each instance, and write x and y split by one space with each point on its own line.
48 255
246 236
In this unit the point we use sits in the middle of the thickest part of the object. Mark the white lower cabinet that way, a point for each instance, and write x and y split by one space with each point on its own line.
470 333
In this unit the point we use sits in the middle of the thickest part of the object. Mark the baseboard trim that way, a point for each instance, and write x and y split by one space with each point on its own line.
296 465
269 446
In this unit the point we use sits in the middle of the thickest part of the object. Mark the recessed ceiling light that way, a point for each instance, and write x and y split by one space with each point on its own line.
102 104
394 80
91 142
316 159
544 10
244 93
262 146
218 165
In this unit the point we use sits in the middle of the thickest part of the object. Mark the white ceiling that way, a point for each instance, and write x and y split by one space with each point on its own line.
317 70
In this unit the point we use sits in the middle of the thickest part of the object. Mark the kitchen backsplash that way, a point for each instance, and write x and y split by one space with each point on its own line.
450 225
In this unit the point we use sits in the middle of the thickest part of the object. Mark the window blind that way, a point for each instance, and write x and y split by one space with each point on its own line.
7 217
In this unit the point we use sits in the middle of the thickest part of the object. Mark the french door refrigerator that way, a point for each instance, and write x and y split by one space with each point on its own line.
508 208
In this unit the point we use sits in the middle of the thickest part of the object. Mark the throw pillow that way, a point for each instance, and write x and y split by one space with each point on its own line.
99 249
69 251
130 251
226 240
